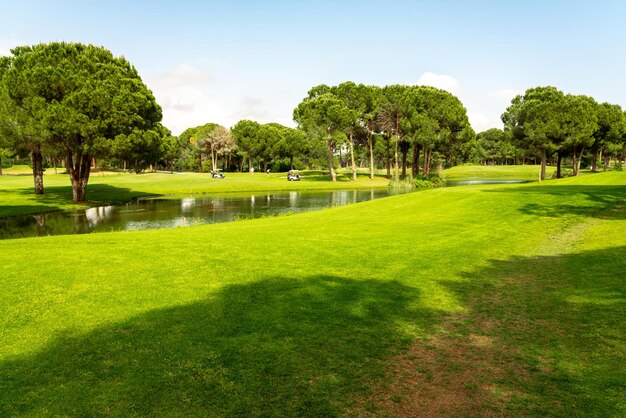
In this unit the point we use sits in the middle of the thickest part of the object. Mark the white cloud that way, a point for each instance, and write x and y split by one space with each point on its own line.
252 108
182 93
505 95
440 81
182 76
480 122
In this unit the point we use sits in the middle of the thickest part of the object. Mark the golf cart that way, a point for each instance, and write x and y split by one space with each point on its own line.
216 174
293 175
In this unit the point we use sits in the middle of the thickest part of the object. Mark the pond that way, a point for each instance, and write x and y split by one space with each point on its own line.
157 213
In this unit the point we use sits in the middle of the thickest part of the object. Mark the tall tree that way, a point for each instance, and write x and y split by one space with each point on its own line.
578 123
355 99
534 119
391 112
292 142
608 137
246 134
436 120
372 97
82 95
323 117
214 140
19 125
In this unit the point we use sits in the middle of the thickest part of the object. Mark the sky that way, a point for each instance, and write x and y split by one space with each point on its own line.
223 61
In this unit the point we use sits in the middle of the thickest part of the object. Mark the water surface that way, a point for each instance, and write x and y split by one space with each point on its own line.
176 212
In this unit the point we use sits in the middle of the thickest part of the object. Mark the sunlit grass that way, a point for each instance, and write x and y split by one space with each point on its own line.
496 172
300 315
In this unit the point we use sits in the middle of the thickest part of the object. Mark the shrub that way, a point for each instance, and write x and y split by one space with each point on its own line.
429 181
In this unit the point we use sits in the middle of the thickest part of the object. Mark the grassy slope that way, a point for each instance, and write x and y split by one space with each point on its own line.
518 172
298 315
16 191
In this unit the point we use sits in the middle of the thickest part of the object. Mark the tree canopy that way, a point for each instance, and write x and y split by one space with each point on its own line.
82 98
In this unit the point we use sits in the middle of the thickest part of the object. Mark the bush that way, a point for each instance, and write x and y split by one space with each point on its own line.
618 167
429 181
564 173
280 166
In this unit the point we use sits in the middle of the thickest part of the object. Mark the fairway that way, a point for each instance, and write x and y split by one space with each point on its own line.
480 300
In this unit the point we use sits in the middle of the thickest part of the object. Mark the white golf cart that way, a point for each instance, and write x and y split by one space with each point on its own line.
293 175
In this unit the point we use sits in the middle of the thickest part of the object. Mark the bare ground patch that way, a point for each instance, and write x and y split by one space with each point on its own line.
466 369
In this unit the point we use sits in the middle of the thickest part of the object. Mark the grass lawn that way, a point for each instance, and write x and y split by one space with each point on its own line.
496 172
17 198
480 300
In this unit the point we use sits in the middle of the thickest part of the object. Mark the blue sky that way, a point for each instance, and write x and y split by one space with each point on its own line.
224 61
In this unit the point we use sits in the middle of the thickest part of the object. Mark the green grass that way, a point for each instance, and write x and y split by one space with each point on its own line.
496 172
17 198
306 315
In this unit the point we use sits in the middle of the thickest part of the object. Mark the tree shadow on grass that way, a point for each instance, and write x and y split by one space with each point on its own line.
58 197
548 333
278 347
589 200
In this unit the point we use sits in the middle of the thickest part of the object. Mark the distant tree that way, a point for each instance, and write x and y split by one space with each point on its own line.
355 98
436 121
214 140
81 96
494 146
293 142
534 119
171 148
372 96
392 110
20 128
141 147
246 134
323 116
7 147
578 123
609 136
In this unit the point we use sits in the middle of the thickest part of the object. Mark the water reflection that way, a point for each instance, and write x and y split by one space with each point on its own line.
170 213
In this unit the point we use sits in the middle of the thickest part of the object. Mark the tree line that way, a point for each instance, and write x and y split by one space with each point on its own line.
78 105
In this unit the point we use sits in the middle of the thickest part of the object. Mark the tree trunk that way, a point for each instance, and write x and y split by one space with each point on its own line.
200 164
371 144
79 169
594 161
576 161
329 147
416 160
404 149
213 159
544 158
558 164
426 161
352 157
607 161
396 160
37 160
291 162
387 157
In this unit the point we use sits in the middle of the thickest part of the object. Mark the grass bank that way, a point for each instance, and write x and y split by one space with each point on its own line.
480 300
17 198
496 172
